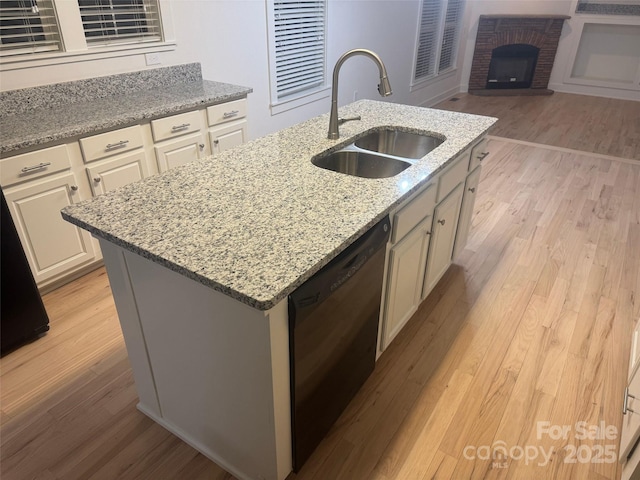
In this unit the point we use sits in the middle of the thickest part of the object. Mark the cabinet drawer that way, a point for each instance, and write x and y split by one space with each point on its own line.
225 112
111 143
176 125
411 214
453 176
478 154
34 165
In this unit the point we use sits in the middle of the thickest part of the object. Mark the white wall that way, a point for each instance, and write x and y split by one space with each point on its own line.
229 39
560 75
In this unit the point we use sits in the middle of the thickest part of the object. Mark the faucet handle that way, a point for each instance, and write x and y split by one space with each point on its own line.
350 119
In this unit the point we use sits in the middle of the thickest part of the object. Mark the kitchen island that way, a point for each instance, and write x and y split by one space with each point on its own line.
201 260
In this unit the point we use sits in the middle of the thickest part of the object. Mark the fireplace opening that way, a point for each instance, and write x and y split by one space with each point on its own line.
512 66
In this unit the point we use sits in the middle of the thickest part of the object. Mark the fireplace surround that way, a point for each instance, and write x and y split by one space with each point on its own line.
511 47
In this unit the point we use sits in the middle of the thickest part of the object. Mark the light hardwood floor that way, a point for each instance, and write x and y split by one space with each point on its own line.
532 324
591 124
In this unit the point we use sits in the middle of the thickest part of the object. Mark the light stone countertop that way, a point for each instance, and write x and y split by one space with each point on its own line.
42 126
257 221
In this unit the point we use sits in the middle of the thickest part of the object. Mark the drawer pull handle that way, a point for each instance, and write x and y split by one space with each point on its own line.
73 188
35 167
625 405
97 179
230 114
482 156
472 189
113 146
442 221
177 128
428 232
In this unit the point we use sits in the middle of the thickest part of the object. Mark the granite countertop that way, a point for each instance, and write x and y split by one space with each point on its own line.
257 221
46 125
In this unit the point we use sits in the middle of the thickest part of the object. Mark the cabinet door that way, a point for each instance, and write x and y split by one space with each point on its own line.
404 281
53 246
229 136
111 174
466 211
173 153
445 222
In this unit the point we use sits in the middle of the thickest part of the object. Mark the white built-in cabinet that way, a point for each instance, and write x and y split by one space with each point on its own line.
39 183
427 231
629 455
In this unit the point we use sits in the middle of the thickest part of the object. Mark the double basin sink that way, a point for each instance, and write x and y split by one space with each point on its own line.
379 154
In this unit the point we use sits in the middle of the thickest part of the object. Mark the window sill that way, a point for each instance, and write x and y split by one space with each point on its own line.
95 53
304 99
425 82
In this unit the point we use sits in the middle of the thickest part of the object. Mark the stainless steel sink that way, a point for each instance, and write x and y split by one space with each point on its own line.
399 144
361 164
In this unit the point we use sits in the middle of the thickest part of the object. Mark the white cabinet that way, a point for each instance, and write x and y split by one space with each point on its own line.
466 211
117 172
179 139
445 223
406 262
424 235
229 127
52 245
173 153
228 136
630 435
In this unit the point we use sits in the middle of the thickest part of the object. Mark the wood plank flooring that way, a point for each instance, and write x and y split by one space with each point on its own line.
531 324
580 122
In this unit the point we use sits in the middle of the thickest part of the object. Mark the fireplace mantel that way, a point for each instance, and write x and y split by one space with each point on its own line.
541 31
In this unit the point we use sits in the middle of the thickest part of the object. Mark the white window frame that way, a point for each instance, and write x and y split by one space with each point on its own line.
301 98
75 45
437 75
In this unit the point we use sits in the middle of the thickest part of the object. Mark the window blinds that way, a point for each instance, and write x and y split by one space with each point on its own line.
28 26
453 18
120 21
299 40
428 39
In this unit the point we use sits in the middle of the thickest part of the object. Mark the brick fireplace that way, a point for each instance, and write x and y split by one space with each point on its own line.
539 33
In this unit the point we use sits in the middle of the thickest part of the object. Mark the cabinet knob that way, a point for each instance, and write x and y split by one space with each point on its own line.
472 189
97 179
73 187
201 145
441 221
216 142
428 232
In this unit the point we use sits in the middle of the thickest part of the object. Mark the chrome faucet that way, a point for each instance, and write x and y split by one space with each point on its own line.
384 87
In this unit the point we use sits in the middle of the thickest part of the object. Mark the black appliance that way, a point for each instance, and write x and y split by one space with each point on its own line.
333 329
512 66
23 317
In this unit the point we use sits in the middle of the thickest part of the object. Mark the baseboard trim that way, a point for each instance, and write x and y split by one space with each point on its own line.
565 150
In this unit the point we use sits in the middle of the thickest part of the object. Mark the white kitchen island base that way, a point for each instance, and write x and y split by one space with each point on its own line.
208 368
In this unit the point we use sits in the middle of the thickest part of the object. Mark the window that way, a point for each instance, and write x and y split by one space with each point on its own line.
28 26
437 42
120 21
297 48
609 7
57 31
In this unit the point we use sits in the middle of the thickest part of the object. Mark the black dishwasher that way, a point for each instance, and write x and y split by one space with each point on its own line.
333 329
